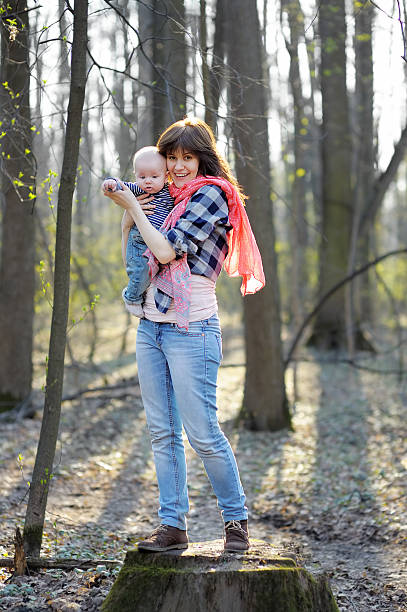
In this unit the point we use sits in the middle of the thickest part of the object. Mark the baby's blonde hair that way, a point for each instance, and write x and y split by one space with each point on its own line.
146 152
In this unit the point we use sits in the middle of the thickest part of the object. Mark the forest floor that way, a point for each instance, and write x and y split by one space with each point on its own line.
332 491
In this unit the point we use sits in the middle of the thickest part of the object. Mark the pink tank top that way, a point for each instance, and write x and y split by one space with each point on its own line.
203 302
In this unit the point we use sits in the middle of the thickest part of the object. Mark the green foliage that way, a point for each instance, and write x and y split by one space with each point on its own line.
13 95
20 463
363 37
47 478
86 310
45 284
47 186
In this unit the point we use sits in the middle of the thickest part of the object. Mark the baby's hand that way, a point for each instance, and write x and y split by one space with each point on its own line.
111 185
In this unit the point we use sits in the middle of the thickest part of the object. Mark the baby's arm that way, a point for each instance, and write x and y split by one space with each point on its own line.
127 224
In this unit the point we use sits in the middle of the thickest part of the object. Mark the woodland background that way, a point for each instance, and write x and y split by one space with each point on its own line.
308 102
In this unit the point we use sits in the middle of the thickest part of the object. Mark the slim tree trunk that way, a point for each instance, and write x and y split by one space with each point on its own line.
42 475
265 406
169 57
358 296
18 171
210 115
83 186
124 133
162 67
298 229
145 53
329 329
218 71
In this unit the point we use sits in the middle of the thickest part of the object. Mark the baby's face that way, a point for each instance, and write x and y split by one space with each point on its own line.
150 175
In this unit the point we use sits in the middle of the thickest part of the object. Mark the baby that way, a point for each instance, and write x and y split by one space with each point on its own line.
150 169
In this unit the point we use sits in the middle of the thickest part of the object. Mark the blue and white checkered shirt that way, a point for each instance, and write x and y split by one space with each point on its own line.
201 233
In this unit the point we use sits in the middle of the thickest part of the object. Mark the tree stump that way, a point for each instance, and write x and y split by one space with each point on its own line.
20 562
204 578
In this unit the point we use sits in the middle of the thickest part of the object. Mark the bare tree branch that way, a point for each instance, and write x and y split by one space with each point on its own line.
331 291
384 180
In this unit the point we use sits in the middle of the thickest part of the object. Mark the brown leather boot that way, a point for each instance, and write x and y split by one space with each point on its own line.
164 538
236 536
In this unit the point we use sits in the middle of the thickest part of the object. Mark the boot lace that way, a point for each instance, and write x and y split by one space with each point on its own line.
235 525
160 529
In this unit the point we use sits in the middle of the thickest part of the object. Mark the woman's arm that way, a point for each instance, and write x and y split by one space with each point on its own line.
126 224
155 240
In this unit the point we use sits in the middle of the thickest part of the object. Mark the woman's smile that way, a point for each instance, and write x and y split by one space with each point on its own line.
182 166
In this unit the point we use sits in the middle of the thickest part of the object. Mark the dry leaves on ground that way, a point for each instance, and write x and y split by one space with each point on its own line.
332 491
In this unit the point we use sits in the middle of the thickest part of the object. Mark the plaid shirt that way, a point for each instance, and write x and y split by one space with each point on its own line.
200 233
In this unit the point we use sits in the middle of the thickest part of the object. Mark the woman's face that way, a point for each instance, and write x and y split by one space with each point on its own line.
182 166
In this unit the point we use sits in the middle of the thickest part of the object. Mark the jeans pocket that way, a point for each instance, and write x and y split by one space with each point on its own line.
188 333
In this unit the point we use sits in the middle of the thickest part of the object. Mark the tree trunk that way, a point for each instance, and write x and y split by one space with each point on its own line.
18 171
329 329
124 136
162 67
145 53
83 187
359 297
210 115
169 56
214 76
42 475
265 406
298 228
218 72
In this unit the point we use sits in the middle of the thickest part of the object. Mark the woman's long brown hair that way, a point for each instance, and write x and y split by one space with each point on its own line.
195 136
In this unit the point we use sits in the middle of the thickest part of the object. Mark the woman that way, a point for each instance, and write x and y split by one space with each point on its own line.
178 345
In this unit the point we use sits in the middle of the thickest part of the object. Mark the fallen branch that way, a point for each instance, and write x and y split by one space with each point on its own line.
133 382
66 564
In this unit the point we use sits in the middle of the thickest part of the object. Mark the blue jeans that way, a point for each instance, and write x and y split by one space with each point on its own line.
177 373
136 268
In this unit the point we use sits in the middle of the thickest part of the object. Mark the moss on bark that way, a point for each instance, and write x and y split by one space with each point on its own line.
32 540
204 578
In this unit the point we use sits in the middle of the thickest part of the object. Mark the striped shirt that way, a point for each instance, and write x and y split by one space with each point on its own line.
162 200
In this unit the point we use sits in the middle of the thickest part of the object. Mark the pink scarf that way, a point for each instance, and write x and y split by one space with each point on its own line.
243 258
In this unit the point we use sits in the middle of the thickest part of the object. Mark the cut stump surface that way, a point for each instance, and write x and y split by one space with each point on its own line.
204 578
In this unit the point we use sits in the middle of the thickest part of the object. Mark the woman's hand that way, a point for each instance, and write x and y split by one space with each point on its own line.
122 197
126 199
145 201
